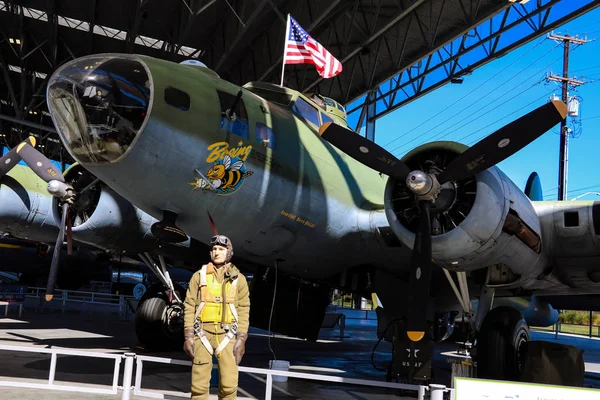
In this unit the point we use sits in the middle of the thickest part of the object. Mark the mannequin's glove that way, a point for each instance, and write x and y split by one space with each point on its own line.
188 345
240 347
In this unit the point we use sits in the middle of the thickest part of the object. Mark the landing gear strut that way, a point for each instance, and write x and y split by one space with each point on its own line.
159 316
158 320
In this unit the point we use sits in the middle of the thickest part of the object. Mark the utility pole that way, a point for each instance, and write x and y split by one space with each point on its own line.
564 131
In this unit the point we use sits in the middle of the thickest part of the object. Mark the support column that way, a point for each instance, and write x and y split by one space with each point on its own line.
371 111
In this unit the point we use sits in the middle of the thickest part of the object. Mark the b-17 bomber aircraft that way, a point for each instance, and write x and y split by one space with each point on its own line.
309 204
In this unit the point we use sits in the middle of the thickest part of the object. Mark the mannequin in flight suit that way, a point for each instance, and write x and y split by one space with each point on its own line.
216 321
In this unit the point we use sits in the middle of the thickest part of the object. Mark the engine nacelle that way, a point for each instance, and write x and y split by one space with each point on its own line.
103 218
24 211
482 221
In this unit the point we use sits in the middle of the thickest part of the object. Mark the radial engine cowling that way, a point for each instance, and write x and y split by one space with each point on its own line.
102 218
478 222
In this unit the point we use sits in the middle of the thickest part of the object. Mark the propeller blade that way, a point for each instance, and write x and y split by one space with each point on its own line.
56 255
8 161
12 158
504 142
420 276
39 163
69 236
364 151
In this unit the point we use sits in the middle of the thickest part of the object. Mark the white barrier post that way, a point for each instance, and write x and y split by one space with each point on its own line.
437 392
421 394
269 388
128 371
52 372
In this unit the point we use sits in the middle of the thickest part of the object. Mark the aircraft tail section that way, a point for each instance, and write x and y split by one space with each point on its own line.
533 187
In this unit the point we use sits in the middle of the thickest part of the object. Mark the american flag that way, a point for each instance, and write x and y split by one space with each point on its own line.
300 48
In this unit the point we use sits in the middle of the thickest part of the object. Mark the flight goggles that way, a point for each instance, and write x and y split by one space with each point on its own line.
222 240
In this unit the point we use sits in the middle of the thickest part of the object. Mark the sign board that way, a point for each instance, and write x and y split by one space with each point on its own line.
484 389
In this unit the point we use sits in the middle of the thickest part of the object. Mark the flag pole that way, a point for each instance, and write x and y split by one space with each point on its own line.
287 30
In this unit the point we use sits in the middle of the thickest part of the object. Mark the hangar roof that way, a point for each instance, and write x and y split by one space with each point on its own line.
242 40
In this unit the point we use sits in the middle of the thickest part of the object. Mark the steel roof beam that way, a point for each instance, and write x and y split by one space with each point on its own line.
398 84
241 34
8 82
372 39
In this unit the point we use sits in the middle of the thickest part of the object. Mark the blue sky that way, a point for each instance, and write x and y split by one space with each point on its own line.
501 92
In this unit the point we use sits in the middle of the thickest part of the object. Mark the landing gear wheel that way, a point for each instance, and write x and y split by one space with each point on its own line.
501 343
158 322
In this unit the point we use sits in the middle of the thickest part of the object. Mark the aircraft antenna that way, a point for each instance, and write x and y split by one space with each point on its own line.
212 224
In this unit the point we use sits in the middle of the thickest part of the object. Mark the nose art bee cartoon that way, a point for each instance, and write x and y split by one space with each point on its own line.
224 177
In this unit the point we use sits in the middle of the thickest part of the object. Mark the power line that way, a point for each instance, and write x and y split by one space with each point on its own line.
587 118
594 24
475 118
585 69
520 109
574 191
436 135
489 79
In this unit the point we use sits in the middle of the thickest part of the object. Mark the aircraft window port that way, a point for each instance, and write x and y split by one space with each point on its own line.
571 218
237 123
177 98
274 97
306 111
265 135
326 118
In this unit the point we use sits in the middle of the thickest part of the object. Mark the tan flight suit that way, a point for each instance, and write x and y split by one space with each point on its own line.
203 360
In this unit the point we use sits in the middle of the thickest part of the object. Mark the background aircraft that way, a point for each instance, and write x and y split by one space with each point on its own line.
310 204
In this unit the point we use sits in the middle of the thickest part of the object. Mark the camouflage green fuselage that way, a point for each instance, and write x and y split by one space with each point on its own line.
294 198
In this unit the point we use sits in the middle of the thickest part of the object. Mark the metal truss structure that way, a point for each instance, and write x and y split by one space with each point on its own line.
393 51
510 28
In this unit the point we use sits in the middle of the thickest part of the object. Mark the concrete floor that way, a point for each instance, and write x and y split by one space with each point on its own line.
350 357
101 332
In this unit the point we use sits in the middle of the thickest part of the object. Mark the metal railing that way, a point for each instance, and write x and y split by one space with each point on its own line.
114 389
7 304
121 303
76 296
436 391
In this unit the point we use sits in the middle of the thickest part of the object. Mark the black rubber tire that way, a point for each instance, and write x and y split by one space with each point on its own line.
501 342
149 327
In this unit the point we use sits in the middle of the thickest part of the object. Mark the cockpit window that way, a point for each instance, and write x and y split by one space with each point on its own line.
306 111
326 118
235 121
177 98
99 105
272 96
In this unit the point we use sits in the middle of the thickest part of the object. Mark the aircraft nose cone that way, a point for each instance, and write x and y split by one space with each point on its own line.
419 182
99 104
